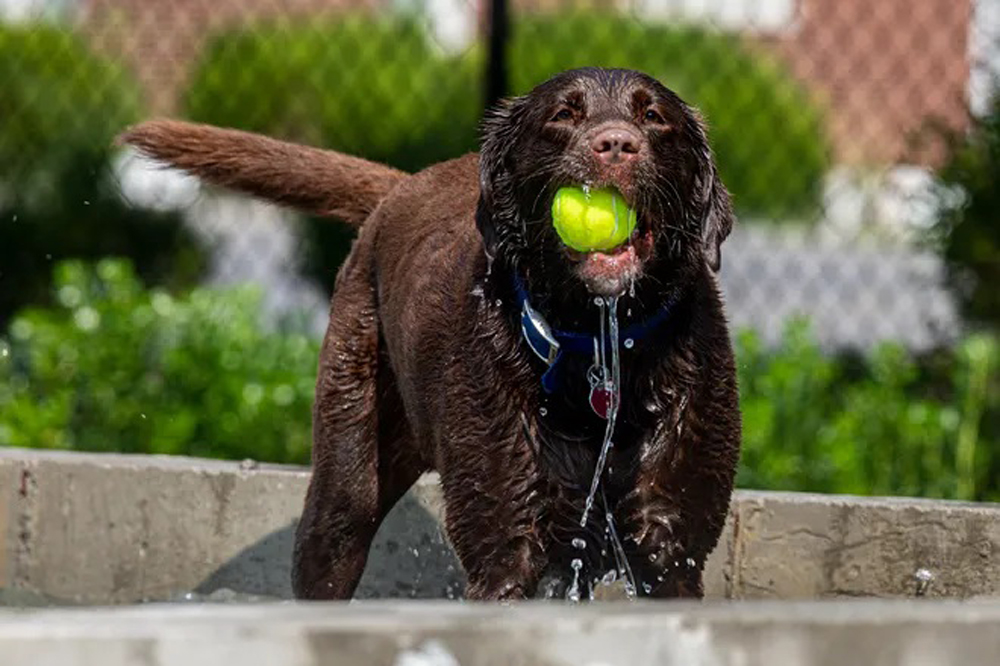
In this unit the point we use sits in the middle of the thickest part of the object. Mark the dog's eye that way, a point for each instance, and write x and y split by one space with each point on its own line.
562 115
652 116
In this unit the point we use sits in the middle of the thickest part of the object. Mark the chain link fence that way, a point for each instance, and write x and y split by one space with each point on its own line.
824 114
830 119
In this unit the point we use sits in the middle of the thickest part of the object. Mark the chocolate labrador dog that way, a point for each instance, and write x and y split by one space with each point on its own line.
466 338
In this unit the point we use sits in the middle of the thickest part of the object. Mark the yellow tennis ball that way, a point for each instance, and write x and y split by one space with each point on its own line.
597 220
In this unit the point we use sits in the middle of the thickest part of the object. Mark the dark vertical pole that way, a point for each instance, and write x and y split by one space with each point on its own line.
496 59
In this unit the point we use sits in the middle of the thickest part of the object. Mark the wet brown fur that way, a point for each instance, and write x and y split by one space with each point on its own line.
423 366
321 182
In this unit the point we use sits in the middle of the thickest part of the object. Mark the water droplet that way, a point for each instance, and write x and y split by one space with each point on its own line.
647 588
628 313
924 578
690 562
86 203
14 219
609 578
629 343
543 411
598 301
416 553
142 415
579 543
574 590
652 557
499 302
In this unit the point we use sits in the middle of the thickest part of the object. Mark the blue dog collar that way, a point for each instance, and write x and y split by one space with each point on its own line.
550 344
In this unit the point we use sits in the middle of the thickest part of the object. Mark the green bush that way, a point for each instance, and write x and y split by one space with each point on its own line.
61 107
114 367
885 424
767 133
373 87
378 88
967 231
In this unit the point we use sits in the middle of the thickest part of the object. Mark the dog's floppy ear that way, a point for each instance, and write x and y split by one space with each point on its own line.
718 219
501 128
717 206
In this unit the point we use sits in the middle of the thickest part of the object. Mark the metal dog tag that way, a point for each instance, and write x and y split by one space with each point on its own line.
602 391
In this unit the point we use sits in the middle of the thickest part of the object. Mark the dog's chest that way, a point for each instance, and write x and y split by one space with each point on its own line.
567 438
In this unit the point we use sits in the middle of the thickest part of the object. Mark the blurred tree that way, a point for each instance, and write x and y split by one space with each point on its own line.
967 231
61 108
374 87
766 132
379 88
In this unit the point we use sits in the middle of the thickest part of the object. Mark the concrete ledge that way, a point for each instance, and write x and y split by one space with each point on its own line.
798 546
100 529
537 634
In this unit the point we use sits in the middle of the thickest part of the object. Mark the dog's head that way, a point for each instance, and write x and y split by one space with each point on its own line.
601 128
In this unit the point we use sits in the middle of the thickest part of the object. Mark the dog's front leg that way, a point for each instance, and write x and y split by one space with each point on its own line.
678 507
489 474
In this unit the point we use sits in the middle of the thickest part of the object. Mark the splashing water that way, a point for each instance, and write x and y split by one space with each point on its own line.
574 590
621 561
610 376
609 338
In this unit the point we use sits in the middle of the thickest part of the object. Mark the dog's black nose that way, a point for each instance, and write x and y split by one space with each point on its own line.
615 144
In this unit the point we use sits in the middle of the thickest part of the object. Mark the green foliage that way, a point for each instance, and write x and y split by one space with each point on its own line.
767 133
61 108
379 88
372 87
968 228
114 367
880 425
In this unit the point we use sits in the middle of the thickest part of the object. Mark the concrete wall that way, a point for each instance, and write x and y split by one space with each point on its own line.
109 529
435 634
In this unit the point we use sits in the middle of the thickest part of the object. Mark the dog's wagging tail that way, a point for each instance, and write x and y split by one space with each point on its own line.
426 364
315 181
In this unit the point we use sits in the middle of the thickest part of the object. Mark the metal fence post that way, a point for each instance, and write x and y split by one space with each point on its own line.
496 59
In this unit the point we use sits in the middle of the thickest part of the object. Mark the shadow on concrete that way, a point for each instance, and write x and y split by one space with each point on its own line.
410 558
